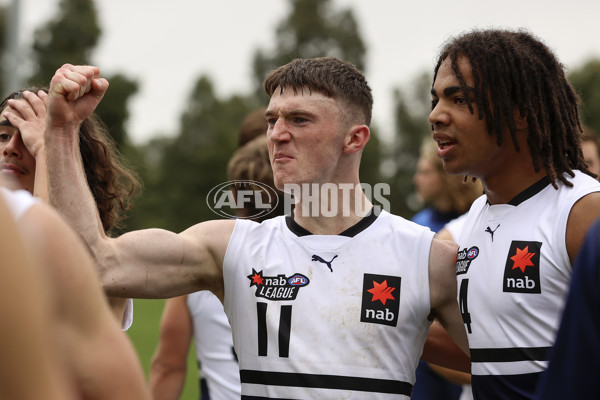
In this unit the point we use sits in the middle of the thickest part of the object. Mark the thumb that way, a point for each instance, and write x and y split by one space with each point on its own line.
99 88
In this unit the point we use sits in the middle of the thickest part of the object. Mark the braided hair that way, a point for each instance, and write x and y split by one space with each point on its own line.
513 70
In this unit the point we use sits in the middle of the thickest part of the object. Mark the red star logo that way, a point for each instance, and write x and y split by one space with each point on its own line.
256 278
522 259
382 292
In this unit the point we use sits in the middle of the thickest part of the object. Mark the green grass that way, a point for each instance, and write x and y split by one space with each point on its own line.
144 335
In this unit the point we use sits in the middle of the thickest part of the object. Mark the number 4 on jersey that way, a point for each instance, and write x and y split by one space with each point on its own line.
462 302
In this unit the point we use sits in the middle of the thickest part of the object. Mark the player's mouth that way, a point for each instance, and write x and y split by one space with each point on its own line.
11 169
445 145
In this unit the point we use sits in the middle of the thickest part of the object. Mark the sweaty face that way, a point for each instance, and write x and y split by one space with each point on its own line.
304 137
464 144
15 160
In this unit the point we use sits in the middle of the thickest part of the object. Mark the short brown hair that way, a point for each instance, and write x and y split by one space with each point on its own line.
328 76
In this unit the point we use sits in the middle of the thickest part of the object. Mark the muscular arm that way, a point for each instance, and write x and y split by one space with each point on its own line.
442 283
582 216
151 263
169 364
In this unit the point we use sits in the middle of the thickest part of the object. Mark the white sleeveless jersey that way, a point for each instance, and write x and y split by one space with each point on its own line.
18 201
328 316
513 274
214 346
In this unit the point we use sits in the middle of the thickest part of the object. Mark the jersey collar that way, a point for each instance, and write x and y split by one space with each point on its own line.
354 230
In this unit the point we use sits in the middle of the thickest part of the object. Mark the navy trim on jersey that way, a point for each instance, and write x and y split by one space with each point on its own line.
354 230
529 192
505 387
326 382
262 398
510 354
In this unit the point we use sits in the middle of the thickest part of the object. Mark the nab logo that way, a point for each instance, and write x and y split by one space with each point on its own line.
277 287
380 299
522 270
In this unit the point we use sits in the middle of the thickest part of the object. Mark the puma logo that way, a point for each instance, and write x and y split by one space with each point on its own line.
491 232
319 259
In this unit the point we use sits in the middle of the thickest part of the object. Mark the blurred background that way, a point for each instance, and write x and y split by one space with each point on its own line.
184 73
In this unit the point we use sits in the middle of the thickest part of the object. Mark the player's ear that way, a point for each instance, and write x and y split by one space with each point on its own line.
356 138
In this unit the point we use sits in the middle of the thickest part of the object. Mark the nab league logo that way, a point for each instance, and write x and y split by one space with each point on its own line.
464 258
380 299
522 270
277 287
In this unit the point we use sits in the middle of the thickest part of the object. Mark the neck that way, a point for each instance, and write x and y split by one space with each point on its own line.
502 191
332 209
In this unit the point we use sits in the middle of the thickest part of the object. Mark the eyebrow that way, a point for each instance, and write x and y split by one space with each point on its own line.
449 91
290 113
6 122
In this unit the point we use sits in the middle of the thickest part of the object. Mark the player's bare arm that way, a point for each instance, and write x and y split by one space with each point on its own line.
582 215
169 363
151 263
442 286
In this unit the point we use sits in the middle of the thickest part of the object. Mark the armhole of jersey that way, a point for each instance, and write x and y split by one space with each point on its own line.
127 320
231 259
233 247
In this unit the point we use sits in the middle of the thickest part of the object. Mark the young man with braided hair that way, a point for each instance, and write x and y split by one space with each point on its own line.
504 112
352 326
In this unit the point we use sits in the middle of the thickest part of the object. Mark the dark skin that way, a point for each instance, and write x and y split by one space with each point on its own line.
467 148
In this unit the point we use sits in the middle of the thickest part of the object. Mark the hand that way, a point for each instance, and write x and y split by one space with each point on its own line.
75 92
28 116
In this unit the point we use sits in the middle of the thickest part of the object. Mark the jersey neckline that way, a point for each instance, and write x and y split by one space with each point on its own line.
354 230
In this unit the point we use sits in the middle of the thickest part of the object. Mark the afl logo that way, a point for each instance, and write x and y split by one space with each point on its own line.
298 280
227 199
473 253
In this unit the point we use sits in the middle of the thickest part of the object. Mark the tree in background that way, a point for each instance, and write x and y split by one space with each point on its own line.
586 81
412 105
195 161
3 26
70 36
313 28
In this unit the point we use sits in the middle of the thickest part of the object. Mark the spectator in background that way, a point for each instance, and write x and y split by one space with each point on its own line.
200 314
22 157
590 146
446 197
253 126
